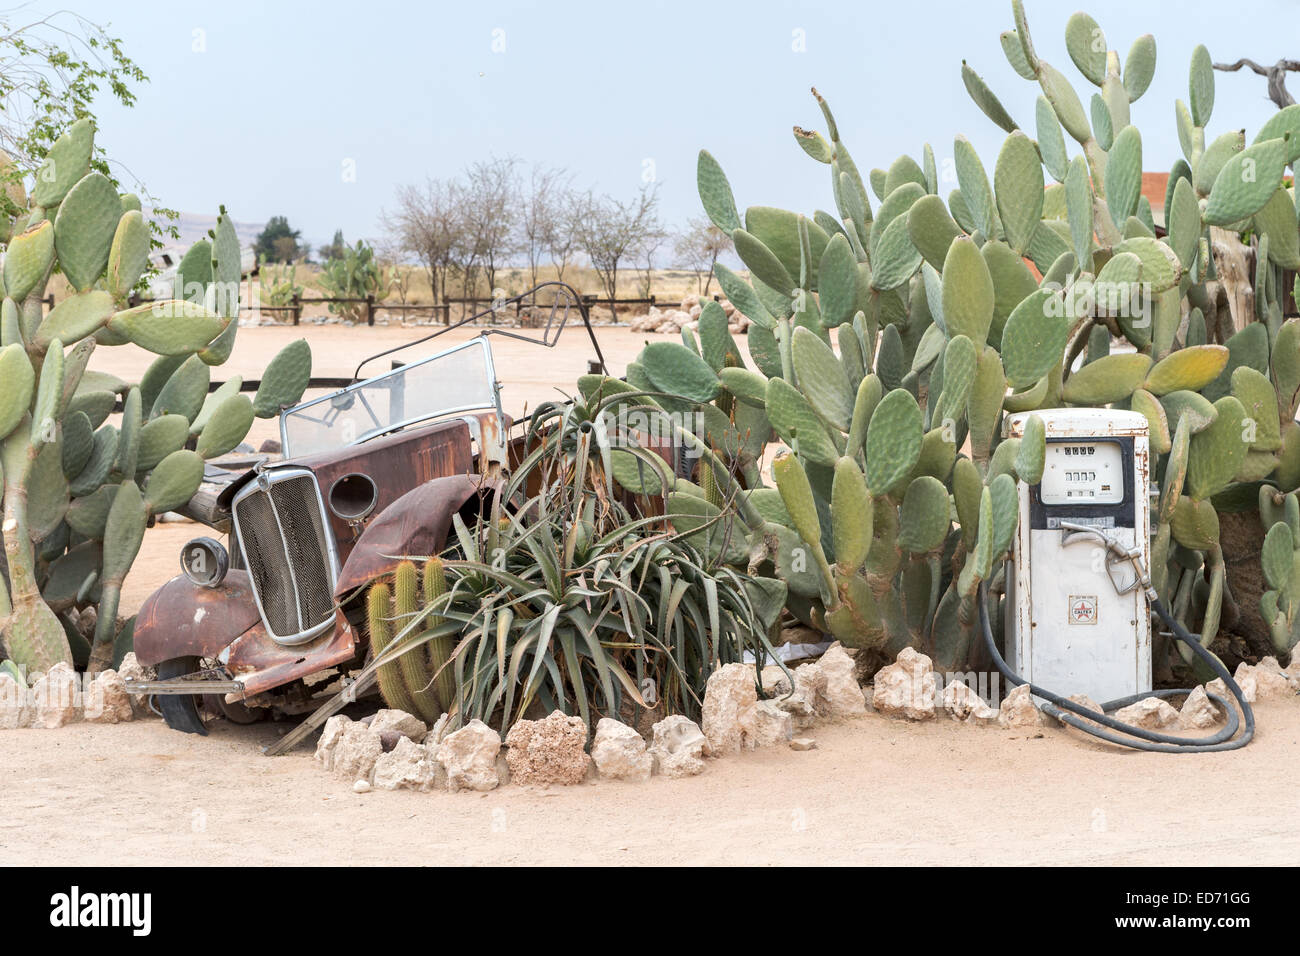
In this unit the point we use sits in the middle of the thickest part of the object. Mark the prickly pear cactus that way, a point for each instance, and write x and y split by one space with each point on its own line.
79 489
893 336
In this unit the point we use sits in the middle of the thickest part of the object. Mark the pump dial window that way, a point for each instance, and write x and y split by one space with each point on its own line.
1083 473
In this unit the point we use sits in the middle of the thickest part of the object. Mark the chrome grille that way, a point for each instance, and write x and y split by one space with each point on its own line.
289 552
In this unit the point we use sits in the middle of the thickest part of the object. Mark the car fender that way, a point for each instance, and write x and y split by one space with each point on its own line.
182 619
417 523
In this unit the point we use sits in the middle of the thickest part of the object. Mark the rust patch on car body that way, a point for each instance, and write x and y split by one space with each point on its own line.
182 619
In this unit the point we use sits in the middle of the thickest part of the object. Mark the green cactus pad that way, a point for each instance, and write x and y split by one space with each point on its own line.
78 442
173 327
87 515
762 261
227 427
967 292
28 260
1018 184
84 228
742 295
984 405
1278 555
103 456
1157 421
893 443
750 387
234 386
1032 455
837 282
123 531
1249 348
893 257
159 438
715 193
1277 221
870 391
1108 379
1246 182
286 378
1257 396
1005 511
1034 338
798 424
1195 524
19 381
1161 269
924 517
851 529
184 392
797 496
1217 452
1124 174
974 184
128 442
822 379
931 229
173 482
65 164
1086 45
1189 369
1197 411
75 318
672 368
128 255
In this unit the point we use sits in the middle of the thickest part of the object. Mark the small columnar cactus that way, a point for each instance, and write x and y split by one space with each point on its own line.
417 681
891 345
79 491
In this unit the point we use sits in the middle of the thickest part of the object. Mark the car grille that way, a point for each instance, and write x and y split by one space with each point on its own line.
288 549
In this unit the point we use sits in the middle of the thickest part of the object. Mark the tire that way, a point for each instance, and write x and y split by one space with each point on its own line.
181 711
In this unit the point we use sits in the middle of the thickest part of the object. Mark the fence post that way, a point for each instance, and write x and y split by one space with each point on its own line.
370 308
297 307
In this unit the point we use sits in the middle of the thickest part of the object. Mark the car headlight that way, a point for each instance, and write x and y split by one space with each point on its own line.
352 497
205 562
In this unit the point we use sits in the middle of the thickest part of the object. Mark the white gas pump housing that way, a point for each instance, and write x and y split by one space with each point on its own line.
1076 619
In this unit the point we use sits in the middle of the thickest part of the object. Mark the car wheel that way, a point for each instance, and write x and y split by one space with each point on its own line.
181 711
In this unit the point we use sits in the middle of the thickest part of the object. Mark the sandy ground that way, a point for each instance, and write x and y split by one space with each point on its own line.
876 791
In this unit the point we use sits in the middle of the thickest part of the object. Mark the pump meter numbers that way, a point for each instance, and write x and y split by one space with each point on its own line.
1083 473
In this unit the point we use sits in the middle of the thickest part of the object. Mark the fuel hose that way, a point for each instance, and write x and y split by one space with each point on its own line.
1095 724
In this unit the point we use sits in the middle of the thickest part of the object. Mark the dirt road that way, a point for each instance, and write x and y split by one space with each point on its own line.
876 791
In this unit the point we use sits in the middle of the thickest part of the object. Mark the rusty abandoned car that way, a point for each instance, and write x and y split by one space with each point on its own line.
272 622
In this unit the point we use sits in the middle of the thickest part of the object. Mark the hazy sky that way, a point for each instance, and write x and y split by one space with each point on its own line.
265 106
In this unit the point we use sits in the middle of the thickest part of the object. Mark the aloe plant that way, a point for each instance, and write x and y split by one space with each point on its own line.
891 344
78 490
570 598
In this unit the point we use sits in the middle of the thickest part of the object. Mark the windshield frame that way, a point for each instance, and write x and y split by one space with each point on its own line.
479 341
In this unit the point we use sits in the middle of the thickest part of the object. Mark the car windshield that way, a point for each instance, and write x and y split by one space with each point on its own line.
460 379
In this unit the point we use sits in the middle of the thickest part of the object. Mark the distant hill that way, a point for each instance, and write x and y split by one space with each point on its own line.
194 227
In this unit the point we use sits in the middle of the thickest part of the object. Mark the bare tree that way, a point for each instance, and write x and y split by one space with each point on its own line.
610 232
427 224
396 276
564 244
698 249
491 211
1277 91
541 214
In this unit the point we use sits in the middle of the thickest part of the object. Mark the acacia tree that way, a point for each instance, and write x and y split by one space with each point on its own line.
698 249
427 225
610 232
541 214
491 209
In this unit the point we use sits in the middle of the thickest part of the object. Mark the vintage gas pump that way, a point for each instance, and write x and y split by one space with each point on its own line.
1076 614
1079 601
